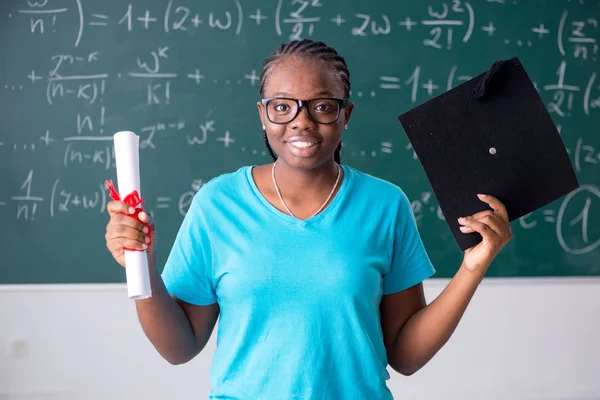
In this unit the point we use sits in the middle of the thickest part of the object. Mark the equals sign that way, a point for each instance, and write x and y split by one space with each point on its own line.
2 203
163 202
386 147
389 82
549 215
102 19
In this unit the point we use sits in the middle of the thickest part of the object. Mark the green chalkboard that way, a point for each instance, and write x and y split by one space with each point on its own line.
183 75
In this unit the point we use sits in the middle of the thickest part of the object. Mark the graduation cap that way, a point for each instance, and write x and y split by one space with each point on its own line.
490 135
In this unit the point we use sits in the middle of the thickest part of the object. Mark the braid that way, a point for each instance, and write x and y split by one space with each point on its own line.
269 149
313 50
310 49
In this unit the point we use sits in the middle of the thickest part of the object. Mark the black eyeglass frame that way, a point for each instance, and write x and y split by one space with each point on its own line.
342 103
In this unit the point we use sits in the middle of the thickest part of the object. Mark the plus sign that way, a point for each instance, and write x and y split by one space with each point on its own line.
253 77
338 20
196 76
257 17
408 23
33 77
46 139
226 139
541 31
146 19
196 20
490 29
430 87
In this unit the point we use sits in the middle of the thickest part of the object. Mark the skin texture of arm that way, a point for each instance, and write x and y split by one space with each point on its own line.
178 330
413 331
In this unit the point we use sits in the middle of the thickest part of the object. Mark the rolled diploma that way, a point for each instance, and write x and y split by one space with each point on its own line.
127 158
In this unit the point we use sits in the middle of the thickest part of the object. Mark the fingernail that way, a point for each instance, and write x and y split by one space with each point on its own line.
482 196
145 230
463 228
461 220
143 215
144 246
131 210
147 239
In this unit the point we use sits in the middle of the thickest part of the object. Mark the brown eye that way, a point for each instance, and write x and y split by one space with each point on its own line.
281 107
325 107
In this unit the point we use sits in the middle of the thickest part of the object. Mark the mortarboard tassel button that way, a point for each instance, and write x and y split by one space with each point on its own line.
492 150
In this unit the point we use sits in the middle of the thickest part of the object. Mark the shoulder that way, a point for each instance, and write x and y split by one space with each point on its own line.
225 182
225 187
376 188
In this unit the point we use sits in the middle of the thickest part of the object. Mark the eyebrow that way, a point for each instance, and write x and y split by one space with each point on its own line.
285 94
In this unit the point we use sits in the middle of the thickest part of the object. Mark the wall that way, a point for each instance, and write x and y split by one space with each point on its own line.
520 339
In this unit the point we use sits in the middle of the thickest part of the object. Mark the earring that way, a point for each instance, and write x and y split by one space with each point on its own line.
346 126
264 127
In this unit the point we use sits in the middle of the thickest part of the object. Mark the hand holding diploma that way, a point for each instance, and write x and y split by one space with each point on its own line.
129 231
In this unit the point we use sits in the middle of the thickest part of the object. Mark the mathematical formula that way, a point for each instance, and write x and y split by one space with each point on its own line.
577 226
29 203
441 25
78 80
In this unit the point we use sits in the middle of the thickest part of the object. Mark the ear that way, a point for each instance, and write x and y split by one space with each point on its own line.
348 111
261 113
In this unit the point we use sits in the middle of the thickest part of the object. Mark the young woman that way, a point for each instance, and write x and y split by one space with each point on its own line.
314 267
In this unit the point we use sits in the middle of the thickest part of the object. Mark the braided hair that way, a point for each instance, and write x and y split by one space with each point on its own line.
313 50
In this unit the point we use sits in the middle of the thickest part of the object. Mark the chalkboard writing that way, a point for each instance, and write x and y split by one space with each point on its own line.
184 75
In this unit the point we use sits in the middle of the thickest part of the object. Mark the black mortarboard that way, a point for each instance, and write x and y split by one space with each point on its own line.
490 135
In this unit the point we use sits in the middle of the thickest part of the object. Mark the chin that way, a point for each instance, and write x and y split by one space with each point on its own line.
306 163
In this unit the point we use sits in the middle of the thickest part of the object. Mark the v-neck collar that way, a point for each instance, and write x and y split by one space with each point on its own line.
295 220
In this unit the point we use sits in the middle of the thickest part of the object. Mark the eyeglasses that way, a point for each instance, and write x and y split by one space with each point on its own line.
282 110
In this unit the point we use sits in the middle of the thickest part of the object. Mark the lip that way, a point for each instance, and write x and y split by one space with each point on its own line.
308 139
304 152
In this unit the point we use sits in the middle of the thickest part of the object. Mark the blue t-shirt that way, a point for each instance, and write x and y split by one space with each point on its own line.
299 300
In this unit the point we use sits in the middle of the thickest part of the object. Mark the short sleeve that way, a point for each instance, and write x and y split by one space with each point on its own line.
410 263
187 273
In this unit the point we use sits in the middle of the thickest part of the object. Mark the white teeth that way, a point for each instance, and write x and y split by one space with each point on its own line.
302 145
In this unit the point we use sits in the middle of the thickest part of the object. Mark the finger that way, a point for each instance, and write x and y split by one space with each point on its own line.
495 204
126 220
114 207
484 230
145 217
125 232
480 214
497 224
117 245
466 229
477 216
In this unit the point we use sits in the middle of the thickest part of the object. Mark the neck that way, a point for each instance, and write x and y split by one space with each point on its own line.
298 184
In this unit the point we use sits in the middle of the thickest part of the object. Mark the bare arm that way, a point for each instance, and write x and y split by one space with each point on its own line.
178 330
414 332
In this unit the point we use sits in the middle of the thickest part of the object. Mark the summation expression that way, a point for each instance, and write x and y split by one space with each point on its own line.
75 82
441 25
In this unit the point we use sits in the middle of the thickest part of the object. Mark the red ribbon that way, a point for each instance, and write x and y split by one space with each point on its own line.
133 199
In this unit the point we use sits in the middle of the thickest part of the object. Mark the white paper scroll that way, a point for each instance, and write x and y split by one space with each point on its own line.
127 156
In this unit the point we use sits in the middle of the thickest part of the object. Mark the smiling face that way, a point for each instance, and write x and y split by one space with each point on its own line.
303 143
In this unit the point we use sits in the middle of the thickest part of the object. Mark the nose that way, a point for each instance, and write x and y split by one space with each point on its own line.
303 121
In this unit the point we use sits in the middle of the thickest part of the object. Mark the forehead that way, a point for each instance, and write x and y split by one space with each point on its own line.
303 78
